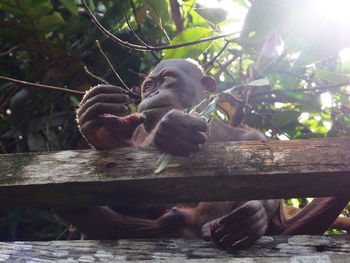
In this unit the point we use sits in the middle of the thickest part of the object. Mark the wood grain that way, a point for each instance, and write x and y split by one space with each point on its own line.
321 249
223 171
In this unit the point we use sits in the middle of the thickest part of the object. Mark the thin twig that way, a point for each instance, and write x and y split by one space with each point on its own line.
96 77
145 48
207 66
343 93
22 82
293 75
223 68
140 75
268 121
75 43
10 50
111 66
162 28
130 28
62 233
317 89
328 87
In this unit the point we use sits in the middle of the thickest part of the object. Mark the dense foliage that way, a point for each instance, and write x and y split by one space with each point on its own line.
295 50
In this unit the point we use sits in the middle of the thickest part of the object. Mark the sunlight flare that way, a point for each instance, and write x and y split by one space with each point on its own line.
337 10
235 16
326 100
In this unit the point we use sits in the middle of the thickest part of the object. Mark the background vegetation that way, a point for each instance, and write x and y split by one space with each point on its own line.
296 49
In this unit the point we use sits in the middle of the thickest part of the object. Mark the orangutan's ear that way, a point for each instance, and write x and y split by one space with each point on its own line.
209 83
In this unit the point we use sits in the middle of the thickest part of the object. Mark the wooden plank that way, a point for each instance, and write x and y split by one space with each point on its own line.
320 249
223 171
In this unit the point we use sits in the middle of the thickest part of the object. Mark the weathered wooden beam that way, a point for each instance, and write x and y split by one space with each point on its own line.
223 171
323 249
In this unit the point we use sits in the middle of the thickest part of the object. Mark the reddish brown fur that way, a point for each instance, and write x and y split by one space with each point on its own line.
170 88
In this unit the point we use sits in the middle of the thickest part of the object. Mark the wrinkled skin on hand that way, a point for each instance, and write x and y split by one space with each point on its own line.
100 117
189 131
238 229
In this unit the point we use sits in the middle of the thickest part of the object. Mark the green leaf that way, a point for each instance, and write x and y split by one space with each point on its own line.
344 67
263 19
71 6
38 11
312 106
213 15
210 108
47 23
259 83
91 4
166 160
160 7
20 106
24 4
38 2
296 96
10 9
193 51
194 109
13 219
284 118
332 77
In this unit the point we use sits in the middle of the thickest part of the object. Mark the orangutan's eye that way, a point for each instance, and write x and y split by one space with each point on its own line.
167 76
148 85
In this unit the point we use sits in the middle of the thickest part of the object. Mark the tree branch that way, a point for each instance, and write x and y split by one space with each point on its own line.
207 66
147 48
111 66
223 68
272 125
133 32
175 11
95 77
10 50
21 82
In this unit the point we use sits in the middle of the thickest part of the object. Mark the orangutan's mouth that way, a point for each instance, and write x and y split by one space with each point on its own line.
159 107
107 115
